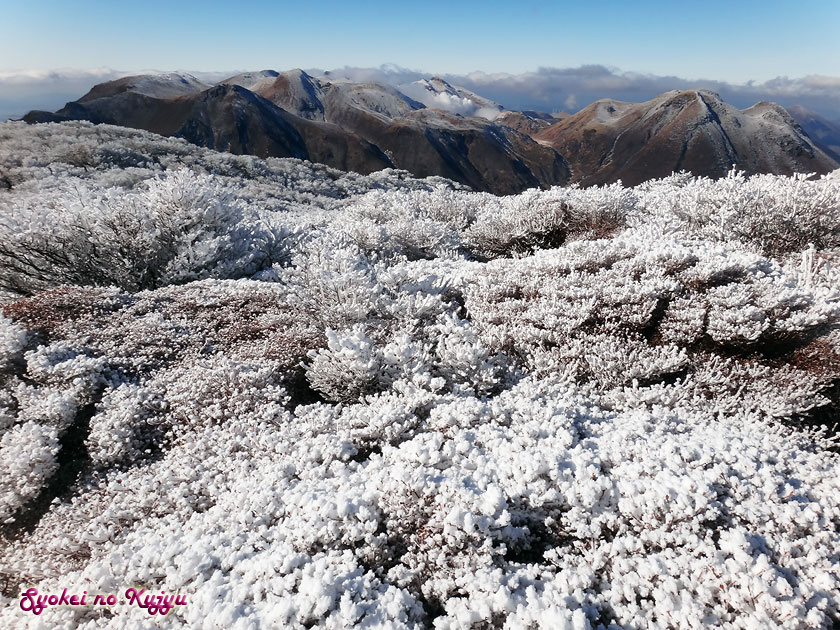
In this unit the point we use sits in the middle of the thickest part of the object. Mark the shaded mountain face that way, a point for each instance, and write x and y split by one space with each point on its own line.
425 141
681 130
479 154
225 117
825 133
530 123
230 118
361 127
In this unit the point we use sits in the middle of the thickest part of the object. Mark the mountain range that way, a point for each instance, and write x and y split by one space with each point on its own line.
430 127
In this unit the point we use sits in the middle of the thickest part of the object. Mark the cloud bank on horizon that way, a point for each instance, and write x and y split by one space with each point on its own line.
570 89
546 89
49 90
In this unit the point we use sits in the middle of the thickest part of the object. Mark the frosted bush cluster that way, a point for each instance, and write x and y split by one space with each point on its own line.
311 399
13 340
27 452
775 214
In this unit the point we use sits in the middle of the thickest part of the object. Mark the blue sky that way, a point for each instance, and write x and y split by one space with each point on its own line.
733 41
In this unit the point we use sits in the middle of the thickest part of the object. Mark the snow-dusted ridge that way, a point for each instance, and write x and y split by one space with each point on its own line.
303 398
156 85
438 94
250 80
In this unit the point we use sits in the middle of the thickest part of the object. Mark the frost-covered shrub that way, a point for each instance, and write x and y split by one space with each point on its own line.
13 340
121 428
464 361
414 224
408 360
614 361
55 313
633 323
684 320
543 220
338 285
177 228
8 405
776 214
334 281
347 368
27 461
618 430
430 354
781 393
353 364
218 390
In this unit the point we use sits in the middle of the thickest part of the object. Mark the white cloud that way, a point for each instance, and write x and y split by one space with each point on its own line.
388 73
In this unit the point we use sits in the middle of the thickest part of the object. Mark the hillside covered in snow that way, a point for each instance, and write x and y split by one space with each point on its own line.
303 398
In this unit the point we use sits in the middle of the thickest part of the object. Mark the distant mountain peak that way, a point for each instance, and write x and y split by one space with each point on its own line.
250 79
155 85
692 130
297 72
437 93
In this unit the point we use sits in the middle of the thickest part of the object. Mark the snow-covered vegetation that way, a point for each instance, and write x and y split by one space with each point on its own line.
305 398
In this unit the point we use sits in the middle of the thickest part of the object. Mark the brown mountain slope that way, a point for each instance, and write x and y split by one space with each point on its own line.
530 123
681 130
825 133
427 141
423 141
